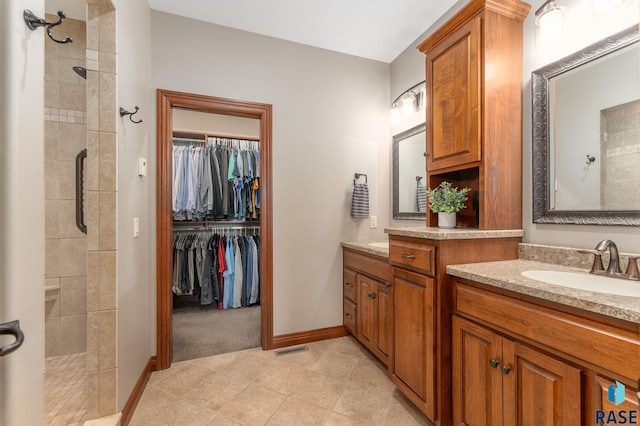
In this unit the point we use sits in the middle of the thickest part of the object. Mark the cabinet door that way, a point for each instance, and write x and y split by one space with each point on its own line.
539 390
383 329
604 409
453 84
366 310
477 378
413 339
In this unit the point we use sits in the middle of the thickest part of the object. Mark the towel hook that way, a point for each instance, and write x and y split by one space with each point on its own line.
358 176
34 22
124 112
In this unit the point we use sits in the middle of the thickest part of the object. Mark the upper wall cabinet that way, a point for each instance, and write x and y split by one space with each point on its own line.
474 110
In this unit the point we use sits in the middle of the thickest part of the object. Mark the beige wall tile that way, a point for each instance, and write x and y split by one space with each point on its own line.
51 94
52 298
72 257
52 215
107 392
93 395
73 333
93 342
52 343
73 96
108 31
73 295
93 281
92 220
51 140
51 67
108 158
67 174
108 341
73 139
93 100
108 297
107 102
51 260
68 228
52 180
65 71
107 220
93 27
108 62
92 171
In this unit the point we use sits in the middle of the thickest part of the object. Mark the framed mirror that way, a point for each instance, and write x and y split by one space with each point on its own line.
409 171
586 132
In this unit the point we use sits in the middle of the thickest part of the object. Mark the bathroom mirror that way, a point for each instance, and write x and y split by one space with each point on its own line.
586 132
409 197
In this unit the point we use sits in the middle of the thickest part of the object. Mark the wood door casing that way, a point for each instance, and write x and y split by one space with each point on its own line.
166 100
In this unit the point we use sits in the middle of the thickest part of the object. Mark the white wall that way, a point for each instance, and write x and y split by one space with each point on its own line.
22 212
330 120
136 265
583 28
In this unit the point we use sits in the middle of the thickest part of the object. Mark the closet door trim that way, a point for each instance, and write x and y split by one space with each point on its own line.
166 101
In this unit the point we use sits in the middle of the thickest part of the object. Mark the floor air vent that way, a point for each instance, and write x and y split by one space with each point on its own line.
290 351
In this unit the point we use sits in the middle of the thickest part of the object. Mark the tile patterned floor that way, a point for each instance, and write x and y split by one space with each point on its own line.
65 387
336 382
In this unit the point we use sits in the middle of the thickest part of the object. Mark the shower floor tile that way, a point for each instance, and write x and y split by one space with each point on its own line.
65 392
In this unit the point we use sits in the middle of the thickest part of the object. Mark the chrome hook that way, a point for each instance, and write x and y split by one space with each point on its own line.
590 159
34 22
124 112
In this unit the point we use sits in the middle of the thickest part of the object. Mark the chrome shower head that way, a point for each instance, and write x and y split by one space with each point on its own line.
81 71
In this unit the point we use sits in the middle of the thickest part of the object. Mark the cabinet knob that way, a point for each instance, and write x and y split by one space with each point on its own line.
494 363
349 285
371 295
348 316
506 369
408 256
387 284
425 154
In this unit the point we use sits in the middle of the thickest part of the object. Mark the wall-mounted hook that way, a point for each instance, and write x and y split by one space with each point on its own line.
590 159
34 22
124 112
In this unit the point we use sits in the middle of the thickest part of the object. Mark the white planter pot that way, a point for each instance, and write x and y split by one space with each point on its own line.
446 220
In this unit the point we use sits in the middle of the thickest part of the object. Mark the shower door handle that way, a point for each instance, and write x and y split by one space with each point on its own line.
12 328
80 191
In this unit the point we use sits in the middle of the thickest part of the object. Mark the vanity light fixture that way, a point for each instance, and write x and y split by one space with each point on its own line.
407 103
548 23
601 6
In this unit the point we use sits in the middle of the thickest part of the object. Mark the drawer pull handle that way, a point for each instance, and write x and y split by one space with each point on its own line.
387 284
506 369
408 256
494 363
349 285
371 295
349 316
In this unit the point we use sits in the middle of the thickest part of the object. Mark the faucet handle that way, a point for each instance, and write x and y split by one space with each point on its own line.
597 260
632 268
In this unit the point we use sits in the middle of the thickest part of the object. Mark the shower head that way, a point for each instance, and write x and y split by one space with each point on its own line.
81 71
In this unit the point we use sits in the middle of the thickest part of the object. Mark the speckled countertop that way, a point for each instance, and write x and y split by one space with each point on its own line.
453 234
507 275
364 246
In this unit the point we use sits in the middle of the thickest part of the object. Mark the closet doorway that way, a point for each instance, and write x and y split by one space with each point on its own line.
167 103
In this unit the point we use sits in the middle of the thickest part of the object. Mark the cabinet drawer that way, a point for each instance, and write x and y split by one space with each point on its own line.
349 312
349 284
420 257
374 267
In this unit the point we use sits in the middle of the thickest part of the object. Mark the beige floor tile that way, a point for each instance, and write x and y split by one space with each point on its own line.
215 391
372 373
403 412
281 377
158 376
337 419
217 363
364 402
294 412
180 413
188 378
319 389
335 364
347 346
221 420
246 368
253 406
153 401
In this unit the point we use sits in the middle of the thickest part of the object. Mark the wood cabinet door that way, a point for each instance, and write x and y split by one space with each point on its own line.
603 410
453 85
413 338
477 377
366 310
539 390
383 325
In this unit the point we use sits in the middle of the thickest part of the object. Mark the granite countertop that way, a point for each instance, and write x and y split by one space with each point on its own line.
453 234
507 275
364 246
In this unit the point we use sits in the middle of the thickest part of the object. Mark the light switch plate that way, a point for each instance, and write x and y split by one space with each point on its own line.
374 222
142 166
136 227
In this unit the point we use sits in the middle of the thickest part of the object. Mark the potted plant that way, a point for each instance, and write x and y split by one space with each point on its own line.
447 201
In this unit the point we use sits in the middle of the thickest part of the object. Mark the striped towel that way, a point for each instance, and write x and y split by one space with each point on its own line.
360 201
421 199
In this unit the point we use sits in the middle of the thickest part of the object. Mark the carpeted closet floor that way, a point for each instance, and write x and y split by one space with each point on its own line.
201 332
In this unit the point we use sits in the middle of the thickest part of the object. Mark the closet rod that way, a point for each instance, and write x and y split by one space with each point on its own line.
188 140
214 227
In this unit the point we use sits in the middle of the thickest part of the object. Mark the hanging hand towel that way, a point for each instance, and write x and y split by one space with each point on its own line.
360 201
421 199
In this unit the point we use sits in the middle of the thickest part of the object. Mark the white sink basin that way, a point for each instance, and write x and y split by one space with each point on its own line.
384 244
589 282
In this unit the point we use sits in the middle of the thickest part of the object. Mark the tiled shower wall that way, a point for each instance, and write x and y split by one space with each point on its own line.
65 245
101 187
620 155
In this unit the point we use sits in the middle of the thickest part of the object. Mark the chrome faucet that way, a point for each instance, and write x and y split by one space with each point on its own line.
614 260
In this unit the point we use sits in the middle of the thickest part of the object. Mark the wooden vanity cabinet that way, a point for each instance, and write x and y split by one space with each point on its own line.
367 301
420 364
474 110
517 362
